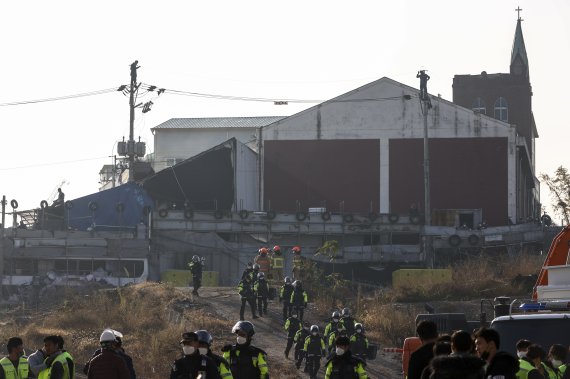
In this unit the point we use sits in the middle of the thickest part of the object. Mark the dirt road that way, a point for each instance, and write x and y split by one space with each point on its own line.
271 337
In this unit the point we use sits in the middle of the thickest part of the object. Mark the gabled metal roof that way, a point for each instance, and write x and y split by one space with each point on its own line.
218 122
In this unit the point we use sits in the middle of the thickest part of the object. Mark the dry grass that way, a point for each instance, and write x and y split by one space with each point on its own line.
389 314
151 316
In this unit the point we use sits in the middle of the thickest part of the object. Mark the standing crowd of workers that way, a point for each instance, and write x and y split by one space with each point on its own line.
54 362
478 355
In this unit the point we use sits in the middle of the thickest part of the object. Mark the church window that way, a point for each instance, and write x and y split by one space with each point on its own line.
501 109
479 106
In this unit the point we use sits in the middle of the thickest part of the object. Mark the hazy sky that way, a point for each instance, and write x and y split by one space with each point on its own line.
309 49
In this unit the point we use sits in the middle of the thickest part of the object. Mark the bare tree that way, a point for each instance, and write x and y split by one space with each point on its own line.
559 186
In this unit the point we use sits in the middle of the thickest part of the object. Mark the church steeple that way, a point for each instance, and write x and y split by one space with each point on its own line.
519 59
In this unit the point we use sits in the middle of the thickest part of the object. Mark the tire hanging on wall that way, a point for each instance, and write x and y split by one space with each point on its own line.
93 206
348 218
415 219
163 212
326 216
393 218
546 220
43 204
271 214
69 204
243 214
473 239
188 214
14 204
300 216
454 240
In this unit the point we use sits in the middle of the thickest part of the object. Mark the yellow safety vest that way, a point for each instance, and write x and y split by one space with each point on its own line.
46 373
10 371
524 368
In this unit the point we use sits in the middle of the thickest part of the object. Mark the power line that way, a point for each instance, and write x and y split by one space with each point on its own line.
263 99
66 97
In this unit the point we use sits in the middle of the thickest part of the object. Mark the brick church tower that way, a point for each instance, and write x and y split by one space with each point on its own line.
508 97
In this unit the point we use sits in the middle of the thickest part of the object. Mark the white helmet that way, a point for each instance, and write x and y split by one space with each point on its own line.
107 336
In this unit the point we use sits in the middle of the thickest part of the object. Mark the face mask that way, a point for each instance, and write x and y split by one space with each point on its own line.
188 350
556 362
358 331
241 340
203 350
521 354
314 333
335 319
339 351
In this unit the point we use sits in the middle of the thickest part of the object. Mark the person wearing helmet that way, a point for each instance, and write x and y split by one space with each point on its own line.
359 342
58 366
277 263
342 364
285 297
119 350
255 272
192 364
261 290
299 340
297 263
332 326
204 348
340 332
263 260
292 326
314 350
248 270
108 364
347 321
246 361
15 365
299 299
247 295
195 267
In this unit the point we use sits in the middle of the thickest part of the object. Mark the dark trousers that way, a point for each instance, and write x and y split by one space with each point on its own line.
196 283
251 302
299 310
287 310
313 364
299 355
262 305
289 346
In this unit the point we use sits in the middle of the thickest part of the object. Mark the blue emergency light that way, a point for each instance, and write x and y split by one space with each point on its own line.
545 306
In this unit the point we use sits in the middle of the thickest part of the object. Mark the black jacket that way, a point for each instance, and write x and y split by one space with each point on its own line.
460 366
343 365
189 366
503 364
419 360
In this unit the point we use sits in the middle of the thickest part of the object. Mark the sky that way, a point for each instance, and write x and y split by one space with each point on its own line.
306 50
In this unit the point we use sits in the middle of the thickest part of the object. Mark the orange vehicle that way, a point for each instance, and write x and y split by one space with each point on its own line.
558 255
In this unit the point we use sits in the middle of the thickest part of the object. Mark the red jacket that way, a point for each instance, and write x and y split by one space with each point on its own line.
108 365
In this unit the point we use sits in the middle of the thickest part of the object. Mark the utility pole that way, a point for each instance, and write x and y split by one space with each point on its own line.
131 141
425 103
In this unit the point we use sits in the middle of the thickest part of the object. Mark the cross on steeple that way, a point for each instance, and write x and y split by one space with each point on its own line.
518 10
